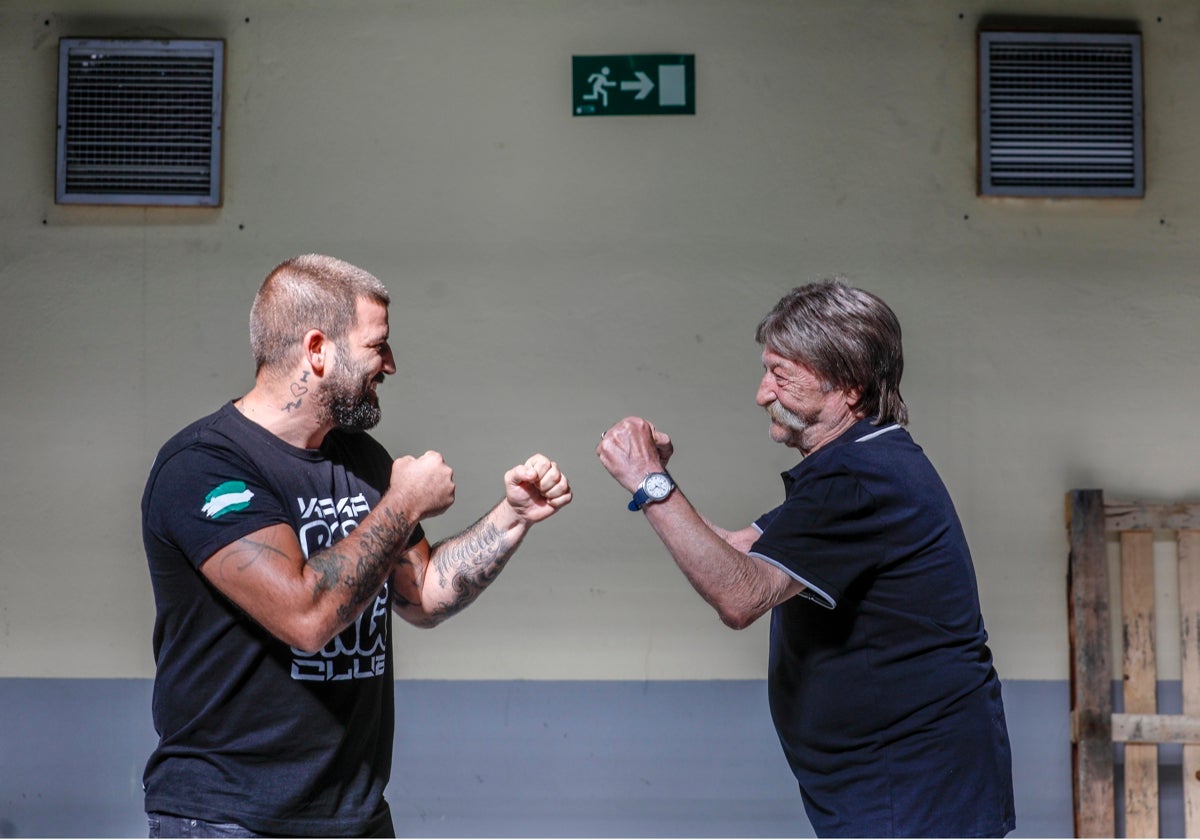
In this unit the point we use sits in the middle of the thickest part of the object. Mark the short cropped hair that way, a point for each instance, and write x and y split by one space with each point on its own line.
848 337
304 293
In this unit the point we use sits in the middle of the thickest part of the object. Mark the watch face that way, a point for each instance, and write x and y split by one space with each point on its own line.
658 486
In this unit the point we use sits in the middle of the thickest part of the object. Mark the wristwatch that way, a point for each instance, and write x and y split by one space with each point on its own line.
654 488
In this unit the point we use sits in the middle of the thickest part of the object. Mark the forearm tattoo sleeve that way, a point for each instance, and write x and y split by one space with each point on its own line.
467 564
358 574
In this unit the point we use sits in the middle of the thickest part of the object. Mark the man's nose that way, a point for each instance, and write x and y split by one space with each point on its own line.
765 395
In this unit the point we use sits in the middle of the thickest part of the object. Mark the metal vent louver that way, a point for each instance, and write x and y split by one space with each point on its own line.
1060 114
139 122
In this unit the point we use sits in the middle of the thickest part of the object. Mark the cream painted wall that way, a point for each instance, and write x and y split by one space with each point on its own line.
552 274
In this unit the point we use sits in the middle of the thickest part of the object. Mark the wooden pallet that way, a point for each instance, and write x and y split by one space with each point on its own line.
1094 727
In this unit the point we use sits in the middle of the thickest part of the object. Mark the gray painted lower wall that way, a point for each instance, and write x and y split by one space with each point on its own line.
509 759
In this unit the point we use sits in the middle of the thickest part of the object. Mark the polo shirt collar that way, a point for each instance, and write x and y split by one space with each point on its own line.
864 429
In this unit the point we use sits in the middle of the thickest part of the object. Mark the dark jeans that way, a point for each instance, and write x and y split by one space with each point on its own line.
166 825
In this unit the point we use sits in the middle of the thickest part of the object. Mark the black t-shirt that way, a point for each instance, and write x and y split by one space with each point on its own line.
250 729
880 679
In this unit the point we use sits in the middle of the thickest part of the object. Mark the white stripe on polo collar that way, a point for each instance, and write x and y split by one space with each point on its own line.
890 428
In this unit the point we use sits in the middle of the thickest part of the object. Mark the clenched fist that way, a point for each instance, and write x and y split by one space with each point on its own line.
632 449
536 489
427 483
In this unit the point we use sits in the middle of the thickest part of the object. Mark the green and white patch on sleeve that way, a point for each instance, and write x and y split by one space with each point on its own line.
226 498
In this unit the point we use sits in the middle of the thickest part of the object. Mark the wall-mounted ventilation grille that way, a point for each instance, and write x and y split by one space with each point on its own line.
1060 114
139 122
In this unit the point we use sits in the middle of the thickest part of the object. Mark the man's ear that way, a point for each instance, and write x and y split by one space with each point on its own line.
853 398
316 346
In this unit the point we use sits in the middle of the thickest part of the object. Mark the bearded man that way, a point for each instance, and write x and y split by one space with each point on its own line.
280 537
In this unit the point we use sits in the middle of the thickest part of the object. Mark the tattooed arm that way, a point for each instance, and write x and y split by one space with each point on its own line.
305 602
431 584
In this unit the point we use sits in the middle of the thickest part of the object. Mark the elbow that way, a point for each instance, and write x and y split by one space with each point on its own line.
739 609
306 641
417 615
425 621
307 634
307 645
737 619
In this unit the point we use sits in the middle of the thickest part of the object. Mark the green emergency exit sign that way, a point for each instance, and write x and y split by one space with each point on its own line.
617 85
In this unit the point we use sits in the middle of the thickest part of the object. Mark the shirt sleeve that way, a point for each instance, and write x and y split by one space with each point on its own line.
824 535
204 500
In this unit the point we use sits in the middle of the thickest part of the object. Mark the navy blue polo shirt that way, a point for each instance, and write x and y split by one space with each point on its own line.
881 682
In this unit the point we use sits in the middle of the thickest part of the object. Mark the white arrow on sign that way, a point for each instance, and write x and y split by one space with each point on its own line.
643 85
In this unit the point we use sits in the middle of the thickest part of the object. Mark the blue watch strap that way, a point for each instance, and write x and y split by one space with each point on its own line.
639 499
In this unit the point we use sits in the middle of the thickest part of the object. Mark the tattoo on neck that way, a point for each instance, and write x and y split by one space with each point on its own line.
299 389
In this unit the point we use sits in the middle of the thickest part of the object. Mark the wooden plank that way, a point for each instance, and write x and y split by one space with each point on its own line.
1150 516
1091 671
1140 679
1189 644
1155 729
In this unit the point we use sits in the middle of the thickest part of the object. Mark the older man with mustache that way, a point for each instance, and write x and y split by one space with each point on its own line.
880 680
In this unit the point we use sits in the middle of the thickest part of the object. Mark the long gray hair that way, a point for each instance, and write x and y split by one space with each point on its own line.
848 337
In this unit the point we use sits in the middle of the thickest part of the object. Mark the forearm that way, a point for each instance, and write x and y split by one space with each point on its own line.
306 601
345 577
740 540
461 567
737 586
715 561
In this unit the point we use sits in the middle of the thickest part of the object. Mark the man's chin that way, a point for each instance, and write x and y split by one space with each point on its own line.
361 418
778 434
784 434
